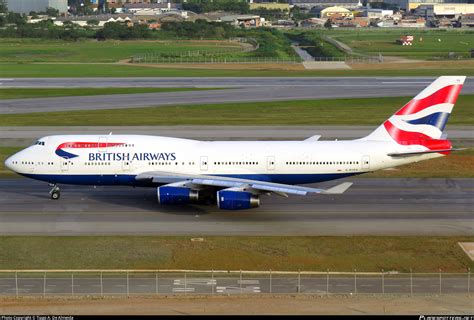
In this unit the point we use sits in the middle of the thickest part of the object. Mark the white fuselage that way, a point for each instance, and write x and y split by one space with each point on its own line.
118 159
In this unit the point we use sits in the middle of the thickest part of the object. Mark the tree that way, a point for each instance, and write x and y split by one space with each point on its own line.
16 18
200 6
33 15
297 14
328 24
93 22
52 12
3 8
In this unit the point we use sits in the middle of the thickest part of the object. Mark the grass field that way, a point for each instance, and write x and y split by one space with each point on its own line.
363 111
422 254
41 50
428 44
66 92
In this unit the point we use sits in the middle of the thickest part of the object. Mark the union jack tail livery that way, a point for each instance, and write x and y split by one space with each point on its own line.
422 120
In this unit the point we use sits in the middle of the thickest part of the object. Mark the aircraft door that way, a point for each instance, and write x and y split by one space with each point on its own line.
365 162
203 163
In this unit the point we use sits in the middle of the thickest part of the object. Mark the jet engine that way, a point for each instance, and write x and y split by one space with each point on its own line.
236 200
176 195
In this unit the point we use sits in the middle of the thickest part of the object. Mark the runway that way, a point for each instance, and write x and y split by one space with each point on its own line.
370 207
237 90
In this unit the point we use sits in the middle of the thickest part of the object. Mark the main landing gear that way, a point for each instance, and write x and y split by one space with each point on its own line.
54 193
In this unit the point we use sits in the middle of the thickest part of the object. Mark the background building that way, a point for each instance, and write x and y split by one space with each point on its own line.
327 3
339 11
26 6
269 5
409 5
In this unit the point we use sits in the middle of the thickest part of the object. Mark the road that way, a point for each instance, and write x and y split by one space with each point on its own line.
370 207
241 90
167 284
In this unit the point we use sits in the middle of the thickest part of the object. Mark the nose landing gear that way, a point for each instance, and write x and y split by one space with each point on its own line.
54 193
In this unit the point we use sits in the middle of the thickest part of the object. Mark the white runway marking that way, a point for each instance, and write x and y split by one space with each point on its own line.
248 281
405 82
183 289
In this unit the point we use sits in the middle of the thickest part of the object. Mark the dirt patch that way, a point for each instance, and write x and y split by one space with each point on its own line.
410 64
242 305
222 66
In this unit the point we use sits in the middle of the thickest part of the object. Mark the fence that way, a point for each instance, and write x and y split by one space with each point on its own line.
183 282
150 59
351 59
200 56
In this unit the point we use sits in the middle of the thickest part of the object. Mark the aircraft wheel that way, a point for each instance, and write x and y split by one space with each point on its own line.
55 195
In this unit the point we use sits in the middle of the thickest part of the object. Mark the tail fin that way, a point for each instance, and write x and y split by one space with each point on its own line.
422 120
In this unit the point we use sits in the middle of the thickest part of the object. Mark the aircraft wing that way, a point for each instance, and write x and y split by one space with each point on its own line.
244 184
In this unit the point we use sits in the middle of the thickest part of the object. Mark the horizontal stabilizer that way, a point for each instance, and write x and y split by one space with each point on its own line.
416 153
339 189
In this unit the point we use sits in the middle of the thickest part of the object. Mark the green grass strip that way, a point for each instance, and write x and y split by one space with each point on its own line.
112 70
22 93
364 253
360 111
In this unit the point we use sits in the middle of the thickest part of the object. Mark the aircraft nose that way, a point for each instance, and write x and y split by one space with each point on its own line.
9 163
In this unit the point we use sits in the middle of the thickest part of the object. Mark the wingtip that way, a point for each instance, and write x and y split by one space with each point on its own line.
339 189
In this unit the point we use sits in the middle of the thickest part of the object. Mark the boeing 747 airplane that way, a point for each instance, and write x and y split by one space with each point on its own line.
234 174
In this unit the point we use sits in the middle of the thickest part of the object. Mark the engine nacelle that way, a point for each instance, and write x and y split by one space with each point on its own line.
236 200
176 195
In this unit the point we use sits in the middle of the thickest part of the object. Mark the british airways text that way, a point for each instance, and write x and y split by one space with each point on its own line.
144 156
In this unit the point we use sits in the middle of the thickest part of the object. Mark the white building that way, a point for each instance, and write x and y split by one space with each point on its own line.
378 13
144 9
26 6
409 5
445 10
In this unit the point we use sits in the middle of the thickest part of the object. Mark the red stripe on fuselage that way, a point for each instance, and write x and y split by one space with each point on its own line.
448 94
80 145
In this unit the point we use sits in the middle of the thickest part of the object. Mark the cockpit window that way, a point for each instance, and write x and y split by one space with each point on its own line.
39 143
